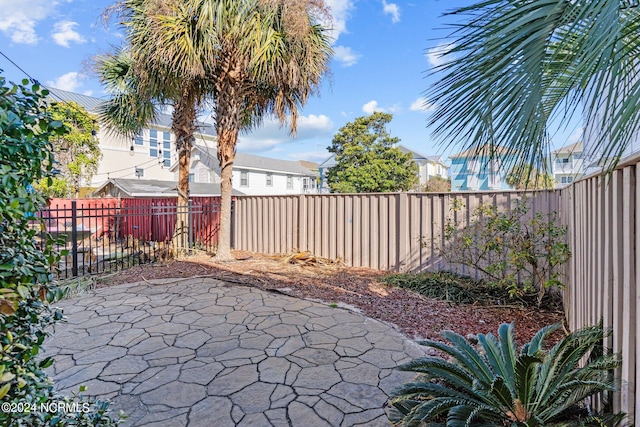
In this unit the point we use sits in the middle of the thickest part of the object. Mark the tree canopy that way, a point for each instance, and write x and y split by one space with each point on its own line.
367 160
243 58
516 70
76 153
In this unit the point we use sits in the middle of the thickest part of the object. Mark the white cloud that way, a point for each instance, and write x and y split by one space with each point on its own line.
345 55
371 107
422 104
435 55
63 33
18 18
393 10
271 135
339 10
70 81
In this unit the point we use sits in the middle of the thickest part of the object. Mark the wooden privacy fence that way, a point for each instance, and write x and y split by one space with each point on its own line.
401 232
386 231
604 231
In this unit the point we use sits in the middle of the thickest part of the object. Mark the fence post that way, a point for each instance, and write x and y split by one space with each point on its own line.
74 239
190 223
233 222
403 232
302 224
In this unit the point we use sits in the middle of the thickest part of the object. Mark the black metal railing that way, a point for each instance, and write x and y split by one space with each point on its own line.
108 237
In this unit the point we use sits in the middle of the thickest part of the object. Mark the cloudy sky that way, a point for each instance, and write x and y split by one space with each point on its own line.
384 50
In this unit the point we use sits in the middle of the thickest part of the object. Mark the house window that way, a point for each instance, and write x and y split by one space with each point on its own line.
577 156
269 180
153 143
569 179
289 182
473 166
166 149
192 177
139 172
494 165
138 139
563 160
563 180
494 181
244 179
472 182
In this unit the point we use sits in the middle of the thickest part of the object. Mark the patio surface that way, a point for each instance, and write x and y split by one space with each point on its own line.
199 352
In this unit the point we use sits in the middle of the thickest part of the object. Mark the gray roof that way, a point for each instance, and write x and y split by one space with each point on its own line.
156 188
250 161
570 149
92 105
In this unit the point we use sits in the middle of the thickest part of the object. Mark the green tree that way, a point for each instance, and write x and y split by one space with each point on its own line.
514 67
247 58
76 153
530 179
367 160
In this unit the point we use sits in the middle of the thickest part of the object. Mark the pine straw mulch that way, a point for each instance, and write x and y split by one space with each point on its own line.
357 288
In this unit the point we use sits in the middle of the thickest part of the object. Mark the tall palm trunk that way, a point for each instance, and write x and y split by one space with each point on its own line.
228 118
184 119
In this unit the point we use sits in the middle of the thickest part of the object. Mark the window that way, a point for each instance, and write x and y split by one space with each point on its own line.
138 139
269 180
473 166
139 172
166 149
244 179
563 180
472 182
153 143
569 179
577 156
289 182
494 181
494 165
191 177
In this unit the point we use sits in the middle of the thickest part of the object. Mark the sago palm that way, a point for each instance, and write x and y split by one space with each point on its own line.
499 385
513 68
245 58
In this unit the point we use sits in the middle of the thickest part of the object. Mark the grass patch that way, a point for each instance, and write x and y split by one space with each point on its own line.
459 289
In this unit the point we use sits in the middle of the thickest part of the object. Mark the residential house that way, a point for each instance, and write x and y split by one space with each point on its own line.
143 188
428 168
252 175
567 164
481 169
149 155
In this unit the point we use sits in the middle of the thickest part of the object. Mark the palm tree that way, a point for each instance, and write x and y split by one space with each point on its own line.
247 58
515 67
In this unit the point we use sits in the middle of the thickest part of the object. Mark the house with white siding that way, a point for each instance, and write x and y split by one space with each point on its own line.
567 164
149 155
252 175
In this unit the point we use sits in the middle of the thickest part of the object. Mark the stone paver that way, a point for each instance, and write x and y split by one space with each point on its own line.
199 352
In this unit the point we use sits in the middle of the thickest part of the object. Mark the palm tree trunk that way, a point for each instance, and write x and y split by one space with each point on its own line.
226 154
184 119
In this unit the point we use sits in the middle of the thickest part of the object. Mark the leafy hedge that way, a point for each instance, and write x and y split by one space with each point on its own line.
459 289
27 397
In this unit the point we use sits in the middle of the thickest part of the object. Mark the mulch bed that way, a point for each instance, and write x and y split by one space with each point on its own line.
416 316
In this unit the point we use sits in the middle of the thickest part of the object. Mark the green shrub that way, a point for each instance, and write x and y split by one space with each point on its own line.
497 385
512 249
457 289
26 392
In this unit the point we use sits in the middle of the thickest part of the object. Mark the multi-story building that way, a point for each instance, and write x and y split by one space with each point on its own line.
481 169
567 164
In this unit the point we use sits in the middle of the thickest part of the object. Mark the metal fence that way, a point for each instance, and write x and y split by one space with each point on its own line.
387 231
102 235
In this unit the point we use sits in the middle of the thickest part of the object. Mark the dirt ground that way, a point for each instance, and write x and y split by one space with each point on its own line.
355 288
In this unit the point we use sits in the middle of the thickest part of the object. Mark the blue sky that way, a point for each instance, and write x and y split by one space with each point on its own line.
384 50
